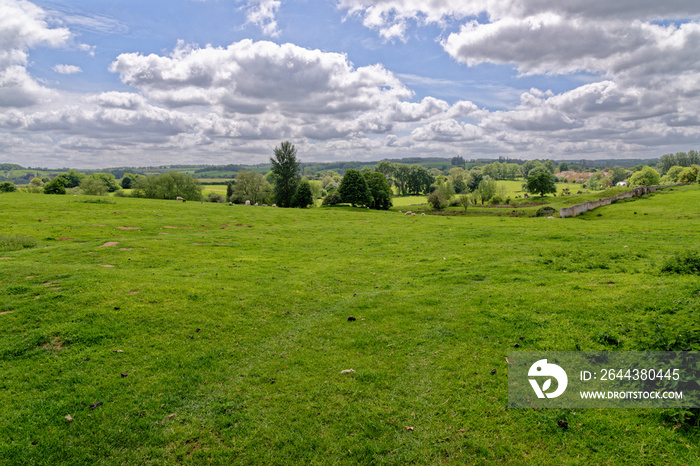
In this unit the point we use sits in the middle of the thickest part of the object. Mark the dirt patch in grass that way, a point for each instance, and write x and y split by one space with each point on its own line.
96 225
126 249
171 227
109 244
5 312
128 228
4 258
64 239
107 265
54 345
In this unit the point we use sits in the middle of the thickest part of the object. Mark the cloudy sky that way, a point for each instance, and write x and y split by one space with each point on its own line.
98 83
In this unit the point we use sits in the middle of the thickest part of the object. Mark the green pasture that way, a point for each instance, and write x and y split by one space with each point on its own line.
140 331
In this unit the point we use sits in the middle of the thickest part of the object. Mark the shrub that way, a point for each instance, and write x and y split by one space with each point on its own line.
332 199
215 197
303 196
496 200
684 263
7 187
438 200
647 176
55 186
545 211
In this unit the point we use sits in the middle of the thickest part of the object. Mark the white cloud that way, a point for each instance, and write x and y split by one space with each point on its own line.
262 13
67 69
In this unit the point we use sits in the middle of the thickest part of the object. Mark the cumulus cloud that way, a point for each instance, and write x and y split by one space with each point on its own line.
262 13
67 69
23 26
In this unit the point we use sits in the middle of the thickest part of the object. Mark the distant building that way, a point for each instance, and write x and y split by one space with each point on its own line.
621 183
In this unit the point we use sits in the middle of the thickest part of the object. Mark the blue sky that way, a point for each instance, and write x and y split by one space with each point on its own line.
109 83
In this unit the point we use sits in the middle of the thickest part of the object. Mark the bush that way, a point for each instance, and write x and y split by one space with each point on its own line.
332 199
496 200
55 186
215 197
7 187
438 200
684 263
545 211
303 196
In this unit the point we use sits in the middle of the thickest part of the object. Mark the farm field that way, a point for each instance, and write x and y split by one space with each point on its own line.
140 331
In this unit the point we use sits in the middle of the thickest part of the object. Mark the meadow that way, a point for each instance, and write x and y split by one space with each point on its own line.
140 331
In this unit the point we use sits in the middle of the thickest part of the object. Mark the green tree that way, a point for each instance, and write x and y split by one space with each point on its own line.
541 183
303 197
72 178
647 176
250 186
379 190
487 189
285 167
459 161
229 191
36 182
128 180
107 179
437 200
401 176
168 186
689 175
563 167
385 167
353 189
94 186
617 174
419 179
55 186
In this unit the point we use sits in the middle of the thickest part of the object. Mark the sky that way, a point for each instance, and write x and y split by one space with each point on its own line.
107 83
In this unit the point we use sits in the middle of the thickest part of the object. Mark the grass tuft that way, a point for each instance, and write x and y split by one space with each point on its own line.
16 242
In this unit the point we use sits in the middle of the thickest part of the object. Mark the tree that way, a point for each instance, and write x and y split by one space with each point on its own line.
487 189
250 186
419 179
229 191
285 167
563 167
459 161
401 176
475 177
617 174
168 186
106 178
689 175
385 167
303 197
464 201
128 180
542 183
72 178
379 190
353 189
93 186
647 176
437 200
55 186
36 182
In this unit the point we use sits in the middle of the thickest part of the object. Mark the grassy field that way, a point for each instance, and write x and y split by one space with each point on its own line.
200 333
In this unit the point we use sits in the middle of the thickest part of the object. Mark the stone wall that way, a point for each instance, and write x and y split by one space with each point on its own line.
578 209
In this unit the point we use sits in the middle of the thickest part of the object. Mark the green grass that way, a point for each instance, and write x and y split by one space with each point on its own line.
231 325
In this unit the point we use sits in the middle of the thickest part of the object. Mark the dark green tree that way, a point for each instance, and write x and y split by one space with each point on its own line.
303 197
285 168
229 191
55 186
168 186
459 161
353 189
380 190
401 175
419 179
72 178
541 183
